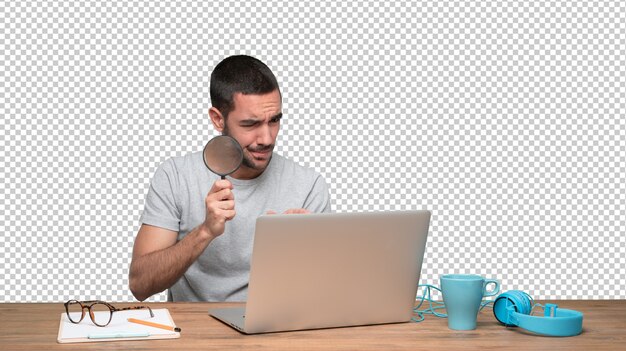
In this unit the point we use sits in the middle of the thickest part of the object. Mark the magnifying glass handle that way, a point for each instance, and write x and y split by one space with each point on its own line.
223 177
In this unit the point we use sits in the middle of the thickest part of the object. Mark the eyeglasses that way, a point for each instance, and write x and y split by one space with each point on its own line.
100 312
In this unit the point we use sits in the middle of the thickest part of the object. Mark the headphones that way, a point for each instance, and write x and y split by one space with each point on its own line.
513 309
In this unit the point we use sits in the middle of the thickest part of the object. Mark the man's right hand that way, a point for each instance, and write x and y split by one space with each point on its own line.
220 207
160 259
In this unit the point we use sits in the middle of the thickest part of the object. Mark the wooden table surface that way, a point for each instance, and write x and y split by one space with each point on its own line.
34 326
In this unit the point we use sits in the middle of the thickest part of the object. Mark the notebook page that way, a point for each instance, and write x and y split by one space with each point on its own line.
119 323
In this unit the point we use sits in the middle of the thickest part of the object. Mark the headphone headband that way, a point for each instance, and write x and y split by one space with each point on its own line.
513 308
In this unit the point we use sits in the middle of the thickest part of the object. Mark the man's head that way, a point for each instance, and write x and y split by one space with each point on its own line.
247 106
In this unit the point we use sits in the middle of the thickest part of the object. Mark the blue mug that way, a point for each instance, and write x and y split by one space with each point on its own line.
462 294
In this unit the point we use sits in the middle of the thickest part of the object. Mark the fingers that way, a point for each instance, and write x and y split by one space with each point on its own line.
229 214
291 211
221 184
219 194
226 205
224 194
297 211
214 204
220 207
217 214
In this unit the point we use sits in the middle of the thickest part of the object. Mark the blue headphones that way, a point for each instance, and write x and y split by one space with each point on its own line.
513 308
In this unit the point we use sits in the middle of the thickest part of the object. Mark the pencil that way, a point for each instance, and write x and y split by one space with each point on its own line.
152 324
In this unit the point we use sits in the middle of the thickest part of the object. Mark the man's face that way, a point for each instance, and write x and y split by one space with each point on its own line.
254 122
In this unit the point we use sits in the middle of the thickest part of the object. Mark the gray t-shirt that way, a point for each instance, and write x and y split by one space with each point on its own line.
175 201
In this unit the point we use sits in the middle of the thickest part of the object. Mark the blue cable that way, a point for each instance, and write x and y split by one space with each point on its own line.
433 305
485 304
426 296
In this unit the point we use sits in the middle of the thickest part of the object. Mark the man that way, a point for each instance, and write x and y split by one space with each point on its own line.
197 230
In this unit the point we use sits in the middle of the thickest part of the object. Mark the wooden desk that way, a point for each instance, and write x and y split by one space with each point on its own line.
35 327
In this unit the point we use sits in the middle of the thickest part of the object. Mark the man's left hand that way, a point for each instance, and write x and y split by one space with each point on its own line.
291 211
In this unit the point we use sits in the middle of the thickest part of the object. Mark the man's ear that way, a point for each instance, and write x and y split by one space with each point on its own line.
217 119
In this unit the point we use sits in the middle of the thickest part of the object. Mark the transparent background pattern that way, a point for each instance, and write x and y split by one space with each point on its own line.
507 119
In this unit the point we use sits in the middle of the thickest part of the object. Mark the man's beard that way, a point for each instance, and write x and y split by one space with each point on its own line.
248 160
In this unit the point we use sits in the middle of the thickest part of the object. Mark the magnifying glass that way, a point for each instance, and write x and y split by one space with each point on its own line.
222 155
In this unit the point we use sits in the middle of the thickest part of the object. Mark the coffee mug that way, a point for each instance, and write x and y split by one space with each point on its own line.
462 294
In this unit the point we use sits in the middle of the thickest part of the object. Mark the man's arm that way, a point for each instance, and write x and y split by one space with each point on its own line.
159 261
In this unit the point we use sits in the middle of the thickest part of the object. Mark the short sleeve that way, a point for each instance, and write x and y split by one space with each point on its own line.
161 208
318 199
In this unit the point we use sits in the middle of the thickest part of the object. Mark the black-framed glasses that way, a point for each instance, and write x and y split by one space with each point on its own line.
100 312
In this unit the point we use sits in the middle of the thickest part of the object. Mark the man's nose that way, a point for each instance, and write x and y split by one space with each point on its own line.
264 136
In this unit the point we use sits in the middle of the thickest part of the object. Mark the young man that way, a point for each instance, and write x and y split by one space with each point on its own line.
197 230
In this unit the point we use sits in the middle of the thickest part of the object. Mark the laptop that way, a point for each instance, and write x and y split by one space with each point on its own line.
313 271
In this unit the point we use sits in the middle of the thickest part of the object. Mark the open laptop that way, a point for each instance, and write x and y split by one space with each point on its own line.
311 271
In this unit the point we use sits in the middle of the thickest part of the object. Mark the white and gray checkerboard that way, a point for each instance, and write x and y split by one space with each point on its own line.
505 118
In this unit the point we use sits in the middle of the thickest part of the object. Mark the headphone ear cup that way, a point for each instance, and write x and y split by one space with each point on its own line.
502 310
508 304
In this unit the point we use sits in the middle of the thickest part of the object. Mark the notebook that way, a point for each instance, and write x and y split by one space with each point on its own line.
119 329
329 270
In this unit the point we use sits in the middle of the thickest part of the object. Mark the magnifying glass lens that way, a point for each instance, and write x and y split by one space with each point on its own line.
223 155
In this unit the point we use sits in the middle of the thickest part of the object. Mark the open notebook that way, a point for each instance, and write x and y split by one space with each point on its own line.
119 328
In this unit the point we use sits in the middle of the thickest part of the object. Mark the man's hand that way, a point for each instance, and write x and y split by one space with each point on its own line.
220 207
291 211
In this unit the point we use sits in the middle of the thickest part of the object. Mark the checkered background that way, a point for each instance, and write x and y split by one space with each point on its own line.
505 118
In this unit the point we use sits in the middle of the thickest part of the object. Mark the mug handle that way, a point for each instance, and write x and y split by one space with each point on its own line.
495 290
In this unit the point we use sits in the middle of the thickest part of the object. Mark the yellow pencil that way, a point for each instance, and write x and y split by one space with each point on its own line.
152 324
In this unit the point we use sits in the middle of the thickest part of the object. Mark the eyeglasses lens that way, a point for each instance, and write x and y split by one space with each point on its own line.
75 311
101 314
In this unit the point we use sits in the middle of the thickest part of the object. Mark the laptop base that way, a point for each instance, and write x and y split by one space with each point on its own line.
232 316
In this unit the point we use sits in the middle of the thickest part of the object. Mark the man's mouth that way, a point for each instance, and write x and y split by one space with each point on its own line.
261 154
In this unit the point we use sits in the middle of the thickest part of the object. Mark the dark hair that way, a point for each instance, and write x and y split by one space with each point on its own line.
239 74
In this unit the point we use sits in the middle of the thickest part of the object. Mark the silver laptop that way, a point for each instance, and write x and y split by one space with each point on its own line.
311 271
